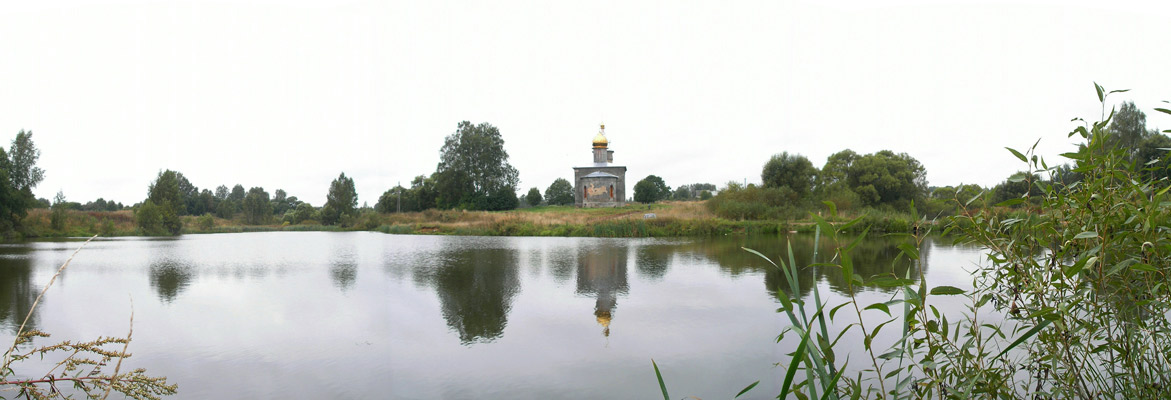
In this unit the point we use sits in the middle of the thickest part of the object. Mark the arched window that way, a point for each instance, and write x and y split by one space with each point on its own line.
611 192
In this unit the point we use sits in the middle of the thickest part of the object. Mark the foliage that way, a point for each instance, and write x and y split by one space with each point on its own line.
789 170
473 166
705 195
165 193
756 203
257 208
1075 301
888 178
533 197
205 222
341 201
82 364
559 193
651 189
149 218
59 206
18 176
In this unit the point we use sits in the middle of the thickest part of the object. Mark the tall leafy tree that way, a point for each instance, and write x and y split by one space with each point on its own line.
165 194
789 170
342 200
559 193
533 197
257 209
24 172
651 189
888 178
473 166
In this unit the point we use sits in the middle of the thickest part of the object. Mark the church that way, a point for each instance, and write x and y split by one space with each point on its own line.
601 184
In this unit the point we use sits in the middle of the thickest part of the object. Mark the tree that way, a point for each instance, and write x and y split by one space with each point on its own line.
1152 158
559 193
57 219
1128 128
221 192
534 197
651 189
390 201
705 195
237 194
165 194
837 168
1016 186
149 218
472 166
888 178
257 209
190 195
683 192
789 170
342 200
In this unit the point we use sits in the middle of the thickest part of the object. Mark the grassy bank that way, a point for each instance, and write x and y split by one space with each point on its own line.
670 219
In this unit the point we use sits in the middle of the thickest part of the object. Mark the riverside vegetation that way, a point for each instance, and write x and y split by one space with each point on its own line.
1073 303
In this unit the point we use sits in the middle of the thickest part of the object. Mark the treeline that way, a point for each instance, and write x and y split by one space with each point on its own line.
171 196
891 182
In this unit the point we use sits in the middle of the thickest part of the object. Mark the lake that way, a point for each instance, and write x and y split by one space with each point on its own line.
369 315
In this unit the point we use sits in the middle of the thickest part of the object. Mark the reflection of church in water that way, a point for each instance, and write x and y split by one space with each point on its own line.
602 274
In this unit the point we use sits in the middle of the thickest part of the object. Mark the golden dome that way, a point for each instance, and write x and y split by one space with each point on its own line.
600 141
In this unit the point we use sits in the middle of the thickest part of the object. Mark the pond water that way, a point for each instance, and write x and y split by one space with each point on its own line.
368 315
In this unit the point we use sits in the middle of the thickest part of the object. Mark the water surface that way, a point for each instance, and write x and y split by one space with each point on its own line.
368 315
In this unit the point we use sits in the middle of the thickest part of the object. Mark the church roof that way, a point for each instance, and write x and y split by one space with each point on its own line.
600 174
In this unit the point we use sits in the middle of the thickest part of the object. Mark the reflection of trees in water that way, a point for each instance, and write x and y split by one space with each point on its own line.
652 261
17 291
874 255
475 288
169 277
601 272
343 273
561 262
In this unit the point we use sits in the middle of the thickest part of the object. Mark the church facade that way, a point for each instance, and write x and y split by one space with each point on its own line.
601 184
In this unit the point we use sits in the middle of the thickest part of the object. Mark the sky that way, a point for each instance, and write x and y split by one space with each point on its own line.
289 94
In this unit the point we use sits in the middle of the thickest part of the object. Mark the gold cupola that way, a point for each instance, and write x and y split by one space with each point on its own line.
600 141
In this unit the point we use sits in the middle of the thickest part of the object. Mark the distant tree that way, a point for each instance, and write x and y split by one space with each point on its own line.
423 193
705 195
389 201
165 194
57 219
534 197
683 192
342 200
237 194
257 209
789 170
888 178
1016 186
651 189
225 210
190 195
699 187
473 166
42 203
1128 128
206 202
1151 156
19 174
301 213
282 202
501 199
837 167
559 193
221 192
149 218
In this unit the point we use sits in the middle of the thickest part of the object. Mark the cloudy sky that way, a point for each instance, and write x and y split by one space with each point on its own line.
288 94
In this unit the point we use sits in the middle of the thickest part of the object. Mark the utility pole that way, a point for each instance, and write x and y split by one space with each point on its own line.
398 208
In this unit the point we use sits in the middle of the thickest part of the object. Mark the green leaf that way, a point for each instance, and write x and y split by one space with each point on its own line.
1098 88
793 367
946 290
1086 235
880 307
662 385
1163 110
1144 268
911 251
1024 337
1017 154
747 389
833 209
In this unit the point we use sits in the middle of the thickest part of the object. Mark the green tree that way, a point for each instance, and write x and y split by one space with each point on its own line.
190 195
390 200
57 219
888 178
237 194
651 189
164 192
705 195
24 173
342 200
257 209
1152 157
559 193
473 165
221 192
1128 129
789 170
149 218
533 197
683 192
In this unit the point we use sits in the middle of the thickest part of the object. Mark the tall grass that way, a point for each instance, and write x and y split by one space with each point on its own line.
1074 302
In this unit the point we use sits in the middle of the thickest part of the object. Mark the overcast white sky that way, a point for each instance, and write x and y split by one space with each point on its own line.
287 94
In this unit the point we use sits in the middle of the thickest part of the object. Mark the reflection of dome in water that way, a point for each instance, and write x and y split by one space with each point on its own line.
603 320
